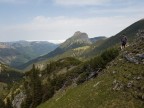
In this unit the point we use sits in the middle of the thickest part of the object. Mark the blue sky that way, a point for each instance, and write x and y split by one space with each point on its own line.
57 20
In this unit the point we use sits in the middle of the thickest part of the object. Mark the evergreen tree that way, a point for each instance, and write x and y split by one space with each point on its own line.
36 88
8 103
48 69
48 91
2 105
28 100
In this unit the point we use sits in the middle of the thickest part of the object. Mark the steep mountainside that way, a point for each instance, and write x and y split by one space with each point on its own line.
8 74
40 85
17 53
120 85
95 39
130 32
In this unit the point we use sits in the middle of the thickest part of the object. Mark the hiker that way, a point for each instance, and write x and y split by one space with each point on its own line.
123 41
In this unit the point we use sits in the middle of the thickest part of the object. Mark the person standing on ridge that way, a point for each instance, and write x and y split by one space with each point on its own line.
123 41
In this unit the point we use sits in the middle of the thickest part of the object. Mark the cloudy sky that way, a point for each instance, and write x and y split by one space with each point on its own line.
57 20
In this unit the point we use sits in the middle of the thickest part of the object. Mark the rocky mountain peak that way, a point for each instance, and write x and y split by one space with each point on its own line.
79 34
77 40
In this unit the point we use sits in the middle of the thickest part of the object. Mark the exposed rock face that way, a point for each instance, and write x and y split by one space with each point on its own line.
78 39
134 58
18 99
131 58
141 34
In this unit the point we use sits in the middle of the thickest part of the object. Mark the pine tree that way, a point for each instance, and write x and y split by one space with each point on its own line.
28 100
48 91
2 105
48 69
8 103
36 88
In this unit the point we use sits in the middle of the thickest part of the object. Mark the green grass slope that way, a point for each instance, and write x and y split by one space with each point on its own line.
120 85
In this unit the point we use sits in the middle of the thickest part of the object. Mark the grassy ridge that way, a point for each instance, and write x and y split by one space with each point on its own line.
109 90
97 93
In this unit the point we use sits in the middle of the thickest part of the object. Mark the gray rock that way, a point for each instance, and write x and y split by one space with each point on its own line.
115 87
131 59
114 72
138 78
114 82
120 87
130 84
141 56
18 99
92 75
142 97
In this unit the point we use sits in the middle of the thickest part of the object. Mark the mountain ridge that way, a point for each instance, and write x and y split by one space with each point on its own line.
97 47
78 40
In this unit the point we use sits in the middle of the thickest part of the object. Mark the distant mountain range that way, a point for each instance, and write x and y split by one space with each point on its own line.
17 53
67 48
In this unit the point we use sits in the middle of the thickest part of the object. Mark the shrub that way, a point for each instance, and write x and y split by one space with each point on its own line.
82 78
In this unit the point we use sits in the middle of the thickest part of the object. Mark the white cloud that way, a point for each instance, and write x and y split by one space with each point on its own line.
21 1
52 41
56 41
61 28
127 10
7 0
91 2
81 2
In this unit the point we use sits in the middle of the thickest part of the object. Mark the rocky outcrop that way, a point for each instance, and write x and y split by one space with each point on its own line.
117 85
140 56
131 58
135 58
18 99
140 34
77 40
